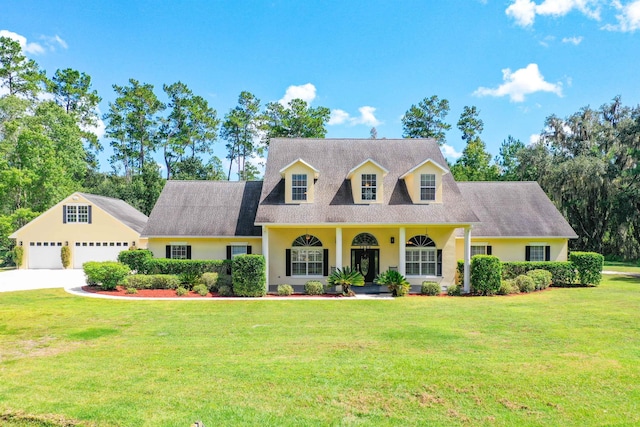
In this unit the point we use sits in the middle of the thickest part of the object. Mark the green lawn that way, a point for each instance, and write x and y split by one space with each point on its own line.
623 266
565 357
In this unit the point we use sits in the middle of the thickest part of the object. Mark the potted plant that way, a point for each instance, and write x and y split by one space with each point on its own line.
396 282
346 278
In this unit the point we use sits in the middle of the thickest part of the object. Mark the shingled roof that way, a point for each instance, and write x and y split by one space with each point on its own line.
120 210
514 209
333 200
205 209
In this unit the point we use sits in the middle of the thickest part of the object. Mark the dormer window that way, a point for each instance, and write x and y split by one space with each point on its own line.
427 187
369 187
299 187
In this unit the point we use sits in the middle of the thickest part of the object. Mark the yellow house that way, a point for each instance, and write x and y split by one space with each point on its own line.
369 204
96 228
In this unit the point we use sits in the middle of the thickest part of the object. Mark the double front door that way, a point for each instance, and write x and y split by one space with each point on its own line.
367 262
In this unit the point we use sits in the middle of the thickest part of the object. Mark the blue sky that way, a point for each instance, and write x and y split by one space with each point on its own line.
517 61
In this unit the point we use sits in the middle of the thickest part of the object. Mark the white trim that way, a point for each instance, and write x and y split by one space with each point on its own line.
369 160
203 237
283 171
429 160
520 237
178 244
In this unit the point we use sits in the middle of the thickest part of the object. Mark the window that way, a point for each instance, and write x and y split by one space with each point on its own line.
77 214
306 256
178 251
427 186
299 187
536 253
478 250
422 257
238 250
369 187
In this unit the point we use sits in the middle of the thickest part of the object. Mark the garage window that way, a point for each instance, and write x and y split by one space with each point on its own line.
76 214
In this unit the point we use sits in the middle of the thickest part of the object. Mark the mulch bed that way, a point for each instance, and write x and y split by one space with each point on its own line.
170 293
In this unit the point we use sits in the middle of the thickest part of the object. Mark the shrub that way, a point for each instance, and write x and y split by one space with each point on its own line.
225 291
210 280
189 279
486 274
508 287
454 290
182 266
346 278
460 272
18 255
285 290
430 288
131 291
248 276
525 283
542 278
589 267
65 256
313 287
164 281
107 274
396 282
136 259
224 279
201 289
562 272
140 281
180 291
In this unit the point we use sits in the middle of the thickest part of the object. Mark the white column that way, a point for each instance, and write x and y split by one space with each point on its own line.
402 253
467 258
265 252
338 248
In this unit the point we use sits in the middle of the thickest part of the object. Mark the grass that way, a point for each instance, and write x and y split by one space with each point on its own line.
560 357
623 266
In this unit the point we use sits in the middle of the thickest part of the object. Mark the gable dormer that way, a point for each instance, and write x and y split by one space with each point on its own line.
424 182
299 181
366 182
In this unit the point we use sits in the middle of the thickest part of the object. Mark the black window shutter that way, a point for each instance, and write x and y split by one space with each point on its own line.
89 213
167 251
489 250
249 250
188 251
64 214
527 253
547 253
228 252
439 264
325 262
288 261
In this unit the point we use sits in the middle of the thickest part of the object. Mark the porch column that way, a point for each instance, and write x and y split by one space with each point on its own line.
338 248
265 253
402 254
467 257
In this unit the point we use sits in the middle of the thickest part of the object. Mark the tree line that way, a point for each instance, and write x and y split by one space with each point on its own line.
48 148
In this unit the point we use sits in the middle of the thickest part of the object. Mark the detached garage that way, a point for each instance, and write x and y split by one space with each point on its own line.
96 228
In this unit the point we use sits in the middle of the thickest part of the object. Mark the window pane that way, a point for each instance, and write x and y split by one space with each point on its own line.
72 214
299 187
537 253
478 250
427 186
238 250
368 186
179 252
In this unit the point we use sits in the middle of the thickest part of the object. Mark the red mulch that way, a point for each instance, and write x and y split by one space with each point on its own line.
170 293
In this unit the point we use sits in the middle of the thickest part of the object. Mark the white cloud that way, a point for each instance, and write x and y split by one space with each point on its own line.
534 139
573 40
367 117
524 11
54 42
450 152
519 83
33 48
306 92
628 19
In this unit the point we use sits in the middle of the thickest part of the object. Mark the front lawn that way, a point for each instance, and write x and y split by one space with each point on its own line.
559 357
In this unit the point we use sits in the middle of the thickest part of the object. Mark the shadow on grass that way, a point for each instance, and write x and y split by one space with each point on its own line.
625 279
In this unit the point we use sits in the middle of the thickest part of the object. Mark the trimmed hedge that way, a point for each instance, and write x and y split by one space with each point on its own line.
248 276
542 278
210 280
135 259
107 274
525 283
314 287
589 266
430 288
153 281
65 256
486 274
562 272
285 290
184 266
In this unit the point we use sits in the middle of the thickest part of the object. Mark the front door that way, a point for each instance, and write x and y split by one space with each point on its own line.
367 262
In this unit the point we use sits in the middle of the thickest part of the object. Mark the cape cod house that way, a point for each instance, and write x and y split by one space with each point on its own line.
368 204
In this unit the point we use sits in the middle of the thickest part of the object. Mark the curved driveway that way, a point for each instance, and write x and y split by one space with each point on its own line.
24 280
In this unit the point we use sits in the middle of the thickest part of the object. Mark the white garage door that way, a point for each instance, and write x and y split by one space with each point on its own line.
97 251
44 255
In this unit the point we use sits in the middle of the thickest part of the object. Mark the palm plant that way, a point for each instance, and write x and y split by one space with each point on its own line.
396 282
346 278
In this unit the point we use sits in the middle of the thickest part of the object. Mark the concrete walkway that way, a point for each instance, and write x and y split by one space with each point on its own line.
25 280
